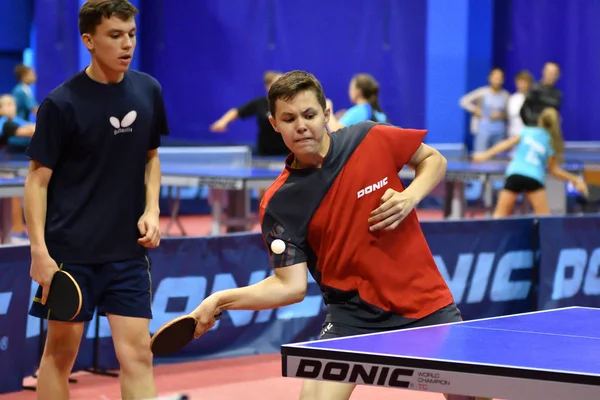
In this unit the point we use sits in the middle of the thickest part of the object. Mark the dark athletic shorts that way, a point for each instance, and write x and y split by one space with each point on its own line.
445 315
120 288
519 183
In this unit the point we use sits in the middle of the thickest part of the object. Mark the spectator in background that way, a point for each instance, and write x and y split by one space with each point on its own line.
363 92
26 102
523 82
487 105
15 134
542 95
268 142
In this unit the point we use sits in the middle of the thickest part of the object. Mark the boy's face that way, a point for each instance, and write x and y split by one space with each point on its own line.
8 107
113 43
301 122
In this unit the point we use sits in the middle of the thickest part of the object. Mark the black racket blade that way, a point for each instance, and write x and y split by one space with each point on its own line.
174 335
64 298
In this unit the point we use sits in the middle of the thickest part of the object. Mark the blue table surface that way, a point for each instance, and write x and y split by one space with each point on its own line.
570 157
14 164
187 169
12 181
191 170
565 340
237 173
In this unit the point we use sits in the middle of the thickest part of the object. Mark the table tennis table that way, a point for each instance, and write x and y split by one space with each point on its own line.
9 188
543 355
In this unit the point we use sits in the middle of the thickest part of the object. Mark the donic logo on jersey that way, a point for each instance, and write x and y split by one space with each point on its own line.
125 124
372 188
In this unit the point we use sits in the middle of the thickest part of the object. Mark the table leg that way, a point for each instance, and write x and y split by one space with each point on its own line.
457 200
5 220
488 196
216 212
448 196
557 196
238 210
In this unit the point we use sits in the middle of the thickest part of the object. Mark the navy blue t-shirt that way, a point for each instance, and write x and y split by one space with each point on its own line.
95 138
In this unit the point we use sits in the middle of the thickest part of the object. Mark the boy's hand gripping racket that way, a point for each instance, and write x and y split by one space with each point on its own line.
174 335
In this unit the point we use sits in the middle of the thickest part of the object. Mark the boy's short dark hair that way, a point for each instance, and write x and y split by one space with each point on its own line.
92 12
292 83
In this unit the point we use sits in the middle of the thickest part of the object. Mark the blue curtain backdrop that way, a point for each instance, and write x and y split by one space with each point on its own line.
56 43
15 24
213 58
210 56
567 32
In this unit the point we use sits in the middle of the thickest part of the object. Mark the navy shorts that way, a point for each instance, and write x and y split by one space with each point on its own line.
445 315
120 288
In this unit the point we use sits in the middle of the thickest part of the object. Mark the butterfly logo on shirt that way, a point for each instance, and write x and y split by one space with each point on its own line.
125 124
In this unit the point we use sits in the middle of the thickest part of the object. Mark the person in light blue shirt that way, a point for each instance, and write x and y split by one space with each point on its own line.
538 147
26 103
363 92
487 105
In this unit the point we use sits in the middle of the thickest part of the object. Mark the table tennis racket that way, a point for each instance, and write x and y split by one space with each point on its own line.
64 298
174 335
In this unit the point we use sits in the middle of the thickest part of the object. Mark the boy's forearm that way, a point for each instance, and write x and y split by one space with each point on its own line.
267 294
153 181
428 174
35 208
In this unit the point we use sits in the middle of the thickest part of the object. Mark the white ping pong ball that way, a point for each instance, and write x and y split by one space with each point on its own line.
278 246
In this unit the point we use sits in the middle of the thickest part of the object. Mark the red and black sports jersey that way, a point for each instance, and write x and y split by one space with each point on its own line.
384 278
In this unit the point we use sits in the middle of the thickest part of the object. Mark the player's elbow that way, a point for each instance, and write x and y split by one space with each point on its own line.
295 293
38 175
437 162
292 283
442 161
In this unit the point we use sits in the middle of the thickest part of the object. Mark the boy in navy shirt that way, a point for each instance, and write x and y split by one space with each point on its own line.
91 200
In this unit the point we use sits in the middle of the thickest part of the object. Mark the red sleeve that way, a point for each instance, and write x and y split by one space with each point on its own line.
403 143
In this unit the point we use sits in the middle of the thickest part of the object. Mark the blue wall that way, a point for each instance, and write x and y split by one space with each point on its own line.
56 43
214 57
15 23
425 54
567 32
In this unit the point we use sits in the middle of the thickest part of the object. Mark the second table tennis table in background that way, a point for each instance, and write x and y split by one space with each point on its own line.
232 172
